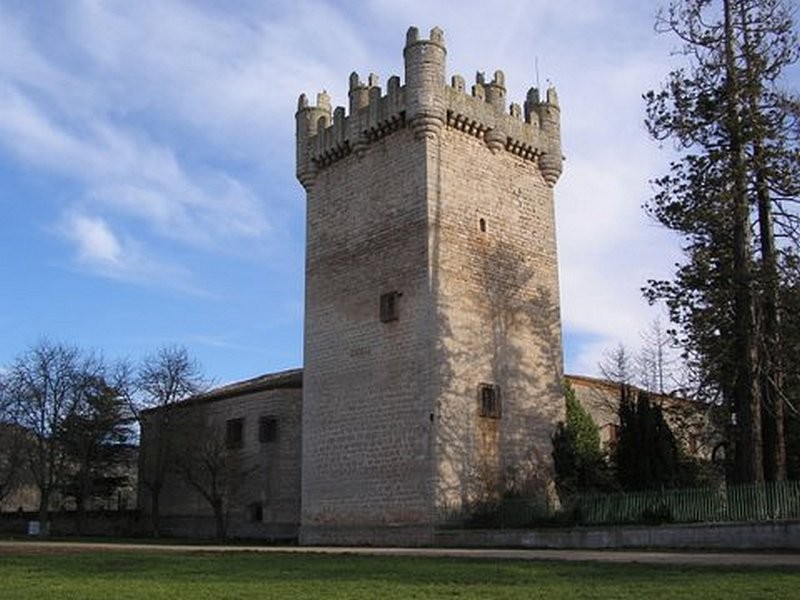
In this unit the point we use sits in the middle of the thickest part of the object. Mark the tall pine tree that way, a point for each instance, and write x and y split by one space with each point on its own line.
736 131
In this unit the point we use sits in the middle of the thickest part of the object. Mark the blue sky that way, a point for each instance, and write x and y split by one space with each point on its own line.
147 190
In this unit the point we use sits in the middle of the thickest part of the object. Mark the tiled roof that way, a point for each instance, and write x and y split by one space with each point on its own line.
291 379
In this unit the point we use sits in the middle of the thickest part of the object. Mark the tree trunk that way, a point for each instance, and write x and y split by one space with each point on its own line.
80 502
747 398
219 519
80 514
770 372
44 511
155 516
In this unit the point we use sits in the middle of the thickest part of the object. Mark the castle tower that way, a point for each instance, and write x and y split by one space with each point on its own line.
433 358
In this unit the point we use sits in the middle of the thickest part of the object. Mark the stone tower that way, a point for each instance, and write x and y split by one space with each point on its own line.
433 358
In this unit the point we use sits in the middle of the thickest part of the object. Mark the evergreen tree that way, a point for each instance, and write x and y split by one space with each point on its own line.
577 456
92 437
736 132
646 454
790 354
580 422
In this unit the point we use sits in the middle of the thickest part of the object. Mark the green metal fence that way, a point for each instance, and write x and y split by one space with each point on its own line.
742 503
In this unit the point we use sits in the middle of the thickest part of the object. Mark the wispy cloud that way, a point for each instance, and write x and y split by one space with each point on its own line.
82 115
128 173
101 251
97 244
228 77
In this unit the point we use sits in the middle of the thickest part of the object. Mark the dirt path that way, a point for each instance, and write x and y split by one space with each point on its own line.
761 559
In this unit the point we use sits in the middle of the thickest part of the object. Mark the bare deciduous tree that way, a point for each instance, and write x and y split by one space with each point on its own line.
206 464
617 365
43 387
163 379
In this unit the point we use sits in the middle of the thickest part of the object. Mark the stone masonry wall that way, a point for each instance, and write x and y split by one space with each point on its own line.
495 278
366 447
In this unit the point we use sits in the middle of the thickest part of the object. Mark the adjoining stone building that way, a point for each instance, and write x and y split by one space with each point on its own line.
258 422
239 443
698 428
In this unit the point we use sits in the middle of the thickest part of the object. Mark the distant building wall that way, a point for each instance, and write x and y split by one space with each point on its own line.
24 498
697 427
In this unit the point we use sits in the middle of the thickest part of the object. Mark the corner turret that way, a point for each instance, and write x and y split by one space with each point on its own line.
360 92
495 91
425 80
310 120
549 113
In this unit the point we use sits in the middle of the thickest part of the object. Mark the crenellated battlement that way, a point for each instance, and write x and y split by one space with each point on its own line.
426 104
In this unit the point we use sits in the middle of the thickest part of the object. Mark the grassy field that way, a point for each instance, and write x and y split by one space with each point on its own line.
173 576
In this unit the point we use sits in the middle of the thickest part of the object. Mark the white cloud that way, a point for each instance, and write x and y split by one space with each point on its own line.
97 244
75 114
29 134
22 63
123 171
100 250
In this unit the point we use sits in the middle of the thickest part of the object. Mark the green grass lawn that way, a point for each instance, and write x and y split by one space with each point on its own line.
173 576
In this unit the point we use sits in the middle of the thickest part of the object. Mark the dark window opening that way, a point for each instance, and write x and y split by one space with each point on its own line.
613 434
267 430
234 433
489 401
257 512
482 224
390 309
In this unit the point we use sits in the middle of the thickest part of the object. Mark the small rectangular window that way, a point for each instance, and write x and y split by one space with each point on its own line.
489 401
267 430
256 512
612 434
234 433
390 306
